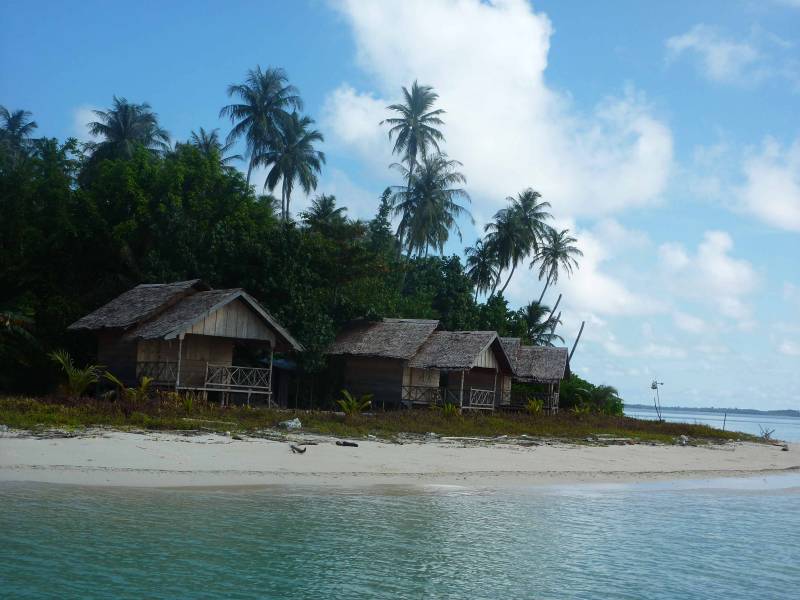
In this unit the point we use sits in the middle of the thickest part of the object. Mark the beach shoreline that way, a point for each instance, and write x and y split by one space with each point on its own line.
160 459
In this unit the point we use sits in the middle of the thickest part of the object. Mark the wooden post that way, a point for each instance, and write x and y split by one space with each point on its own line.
494 387
461 393
180 351
271 356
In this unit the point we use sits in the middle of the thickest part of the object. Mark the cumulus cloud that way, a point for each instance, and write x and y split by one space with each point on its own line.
719 59
711 275
771 190
743 60
509 128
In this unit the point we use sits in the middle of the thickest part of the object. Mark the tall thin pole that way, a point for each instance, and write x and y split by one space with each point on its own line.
577 339
180 351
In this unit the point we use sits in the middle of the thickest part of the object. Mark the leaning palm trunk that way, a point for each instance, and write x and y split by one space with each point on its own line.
510 275
546 285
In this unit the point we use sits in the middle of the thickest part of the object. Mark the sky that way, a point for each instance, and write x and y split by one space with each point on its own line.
666 137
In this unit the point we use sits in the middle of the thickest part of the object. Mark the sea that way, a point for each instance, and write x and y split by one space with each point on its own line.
786 429
726 538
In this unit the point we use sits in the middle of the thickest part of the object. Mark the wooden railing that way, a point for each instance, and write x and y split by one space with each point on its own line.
420 394
479 399
160 372
228 378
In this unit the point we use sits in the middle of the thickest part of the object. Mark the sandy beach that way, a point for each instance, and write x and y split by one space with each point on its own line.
113 458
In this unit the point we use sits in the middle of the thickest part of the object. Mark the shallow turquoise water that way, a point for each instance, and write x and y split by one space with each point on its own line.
646 541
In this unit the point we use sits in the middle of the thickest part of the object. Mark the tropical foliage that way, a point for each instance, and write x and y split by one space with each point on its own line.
81 223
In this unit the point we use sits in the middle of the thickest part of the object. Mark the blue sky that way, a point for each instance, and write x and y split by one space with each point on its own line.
666 136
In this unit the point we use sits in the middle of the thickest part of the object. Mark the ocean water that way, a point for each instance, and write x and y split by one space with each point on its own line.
725 539
785 428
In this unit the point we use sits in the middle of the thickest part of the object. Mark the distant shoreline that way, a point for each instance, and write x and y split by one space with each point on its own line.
730 411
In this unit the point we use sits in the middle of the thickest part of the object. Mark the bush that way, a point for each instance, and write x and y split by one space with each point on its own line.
351 405
534 406
78 380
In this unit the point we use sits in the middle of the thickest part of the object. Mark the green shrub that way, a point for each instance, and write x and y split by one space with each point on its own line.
450 410
78 380
351 405
534 406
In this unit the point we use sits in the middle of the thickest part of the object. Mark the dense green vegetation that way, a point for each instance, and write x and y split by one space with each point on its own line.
173 412
83 222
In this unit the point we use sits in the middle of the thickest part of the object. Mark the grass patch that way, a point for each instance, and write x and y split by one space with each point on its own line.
170 413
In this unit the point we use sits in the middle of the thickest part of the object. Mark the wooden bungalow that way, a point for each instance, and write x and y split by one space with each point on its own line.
408 362
187 336
543 366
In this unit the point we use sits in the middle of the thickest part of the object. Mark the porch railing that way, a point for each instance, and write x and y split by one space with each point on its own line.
479 399
420 394
228 378
160 372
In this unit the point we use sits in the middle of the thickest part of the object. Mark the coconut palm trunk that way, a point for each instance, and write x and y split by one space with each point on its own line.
510 275
546 285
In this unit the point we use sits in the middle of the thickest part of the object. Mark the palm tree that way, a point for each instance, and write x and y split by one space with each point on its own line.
428 206
263 111
124 126
602 398
557 252
293 159
16 129
323 214
539 325
482 267
210 145
415 129
517 230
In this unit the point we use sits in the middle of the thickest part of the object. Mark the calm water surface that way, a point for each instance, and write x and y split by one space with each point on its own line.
687 540
786 428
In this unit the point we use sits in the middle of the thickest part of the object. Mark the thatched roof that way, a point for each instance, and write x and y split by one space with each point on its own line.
541 364
165 310
511 346
389 338
137 305
181 315
458 350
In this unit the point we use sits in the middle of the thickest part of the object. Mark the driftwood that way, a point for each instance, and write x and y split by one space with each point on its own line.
297 449
342 443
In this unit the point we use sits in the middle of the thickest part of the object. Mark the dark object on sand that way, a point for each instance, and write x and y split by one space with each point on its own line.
342 443
297 449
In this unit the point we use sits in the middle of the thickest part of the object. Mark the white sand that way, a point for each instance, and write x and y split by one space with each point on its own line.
164 459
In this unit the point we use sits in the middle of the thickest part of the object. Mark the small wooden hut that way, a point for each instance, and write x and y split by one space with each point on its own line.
188 336
408 362
543 366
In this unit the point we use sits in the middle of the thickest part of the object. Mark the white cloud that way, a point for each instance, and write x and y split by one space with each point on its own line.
503 122
720 59
81 116
771 190
744 60
789 348
711 275
689 323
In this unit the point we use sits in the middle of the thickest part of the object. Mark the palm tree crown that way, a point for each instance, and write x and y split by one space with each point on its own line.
293 159
323 213
415 129
209 144
539 325
265 99
482 267
16 129
124 126
428 206
557 252
517 230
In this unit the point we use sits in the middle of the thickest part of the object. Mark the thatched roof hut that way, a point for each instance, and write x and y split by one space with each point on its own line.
388 338
458 350
185 334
